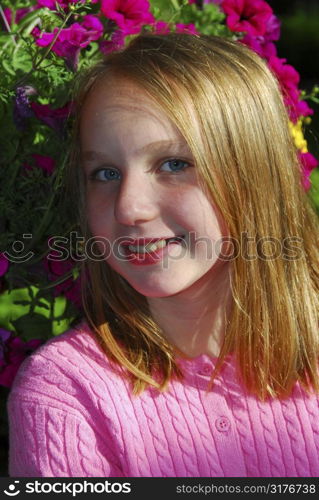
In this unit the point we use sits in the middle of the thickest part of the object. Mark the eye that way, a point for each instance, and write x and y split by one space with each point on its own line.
105 174
174 165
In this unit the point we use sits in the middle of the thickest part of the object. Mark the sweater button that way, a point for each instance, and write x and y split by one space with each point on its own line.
206 369
222 424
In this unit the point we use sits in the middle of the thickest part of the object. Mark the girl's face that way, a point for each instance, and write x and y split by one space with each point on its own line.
142 191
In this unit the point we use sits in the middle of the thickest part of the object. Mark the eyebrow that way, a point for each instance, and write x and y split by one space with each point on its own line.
152 147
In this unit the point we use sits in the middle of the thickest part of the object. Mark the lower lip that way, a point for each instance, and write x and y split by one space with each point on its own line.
147 259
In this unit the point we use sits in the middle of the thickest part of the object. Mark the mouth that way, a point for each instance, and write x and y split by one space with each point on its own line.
144 246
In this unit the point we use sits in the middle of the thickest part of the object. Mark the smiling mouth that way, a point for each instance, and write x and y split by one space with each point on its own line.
153 245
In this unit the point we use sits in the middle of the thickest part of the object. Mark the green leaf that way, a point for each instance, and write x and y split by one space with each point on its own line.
33 326
57 312
21 59
10 147
8 67
29 21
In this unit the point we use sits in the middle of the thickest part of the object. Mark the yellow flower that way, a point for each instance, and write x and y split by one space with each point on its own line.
297 134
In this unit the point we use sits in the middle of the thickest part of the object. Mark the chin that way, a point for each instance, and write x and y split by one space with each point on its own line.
154 291
157 290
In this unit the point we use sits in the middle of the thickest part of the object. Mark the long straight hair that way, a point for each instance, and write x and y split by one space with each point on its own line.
228 106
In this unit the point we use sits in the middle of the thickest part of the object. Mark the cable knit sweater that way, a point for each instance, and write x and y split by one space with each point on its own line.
72 415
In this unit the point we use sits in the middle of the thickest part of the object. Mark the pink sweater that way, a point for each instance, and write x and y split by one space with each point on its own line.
71 415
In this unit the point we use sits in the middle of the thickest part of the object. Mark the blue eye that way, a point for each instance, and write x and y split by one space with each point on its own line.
174 165
106 174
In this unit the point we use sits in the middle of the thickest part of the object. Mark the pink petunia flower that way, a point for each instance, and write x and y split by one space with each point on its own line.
20 13
186 28
46 163
161 28
272 29
71 40
302 109
116 42
12 352
4 264
129 15
51 4
308 164
259 45
54 118
264 45
250 16
289 78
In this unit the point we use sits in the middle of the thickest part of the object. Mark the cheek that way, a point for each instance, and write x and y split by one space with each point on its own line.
199 212
98 214
206 225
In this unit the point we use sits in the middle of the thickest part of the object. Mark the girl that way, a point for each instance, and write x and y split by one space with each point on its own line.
198 353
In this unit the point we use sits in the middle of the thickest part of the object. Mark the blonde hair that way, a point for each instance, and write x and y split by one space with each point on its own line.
228 106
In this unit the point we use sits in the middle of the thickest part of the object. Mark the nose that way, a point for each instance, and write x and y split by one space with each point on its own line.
136 201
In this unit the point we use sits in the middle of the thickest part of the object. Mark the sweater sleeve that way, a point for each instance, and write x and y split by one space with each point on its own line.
57 425
49 442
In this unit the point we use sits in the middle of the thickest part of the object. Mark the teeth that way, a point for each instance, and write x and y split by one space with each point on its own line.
150 247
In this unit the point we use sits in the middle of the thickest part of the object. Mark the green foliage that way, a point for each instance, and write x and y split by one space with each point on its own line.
34 313
314 190
208 20
32 202
165 9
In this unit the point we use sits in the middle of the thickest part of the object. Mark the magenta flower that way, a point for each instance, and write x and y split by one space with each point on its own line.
263 44
249 16
4 264
45 163
259 45
186 28
116 42
56 269
308 163
272 29
129 15
54 118
302 109
288 79
12 352
161 28
71 40
51 4
287 75
20 13
93 25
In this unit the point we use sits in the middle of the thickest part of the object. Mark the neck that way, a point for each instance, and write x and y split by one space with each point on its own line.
194 320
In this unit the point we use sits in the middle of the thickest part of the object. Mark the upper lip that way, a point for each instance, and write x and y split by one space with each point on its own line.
146 241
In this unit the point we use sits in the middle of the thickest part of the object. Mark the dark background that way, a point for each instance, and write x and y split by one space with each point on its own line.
299 44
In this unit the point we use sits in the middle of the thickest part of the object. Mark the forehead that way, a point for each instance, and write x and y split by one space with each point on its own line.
117 94
118 105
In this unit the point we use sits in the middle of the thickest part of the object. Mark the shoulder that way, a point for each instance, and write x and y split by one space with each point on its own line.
77 348
63 420
68 372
